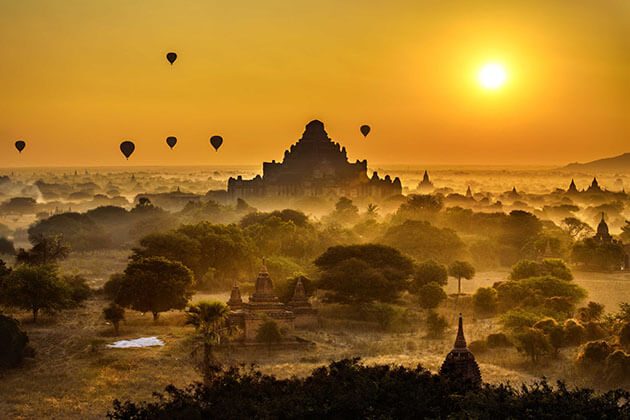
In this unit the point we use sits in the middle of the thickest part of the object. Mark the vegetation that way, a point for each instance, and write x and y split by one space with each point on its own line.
363 273
114 313
430 296
347 389
14 343
155 285
461 270
210 319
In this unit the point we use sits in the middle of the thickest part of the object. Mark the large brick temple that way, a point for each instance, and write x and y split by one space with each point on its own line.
314 166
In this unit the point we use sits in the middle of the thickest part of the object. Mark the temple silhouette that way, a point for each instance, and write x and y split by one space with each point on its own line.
314 166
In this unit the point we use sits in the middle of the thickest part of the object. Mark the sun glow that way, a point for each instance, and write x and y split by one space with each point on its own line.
492 76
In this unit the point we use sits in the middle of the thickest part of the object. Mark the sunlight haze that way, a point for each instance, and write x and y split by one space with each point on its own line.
79 77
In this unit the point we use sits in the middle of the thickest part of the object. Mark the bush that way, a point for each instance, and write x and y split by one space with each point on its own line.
114 313
518 319
549 267
617 368
534 343
14 343
436 325
498 340
269 333
431 295
594 353
427 272
546 324
574 332
347 389
594 331
78 288
485 301
478 346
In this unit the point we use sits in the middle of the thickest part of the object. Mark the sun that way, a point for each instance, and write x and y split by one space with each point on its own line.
492 76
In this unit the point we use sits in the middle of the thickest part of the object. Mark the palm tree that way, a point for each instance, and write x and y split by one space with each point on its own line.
210 320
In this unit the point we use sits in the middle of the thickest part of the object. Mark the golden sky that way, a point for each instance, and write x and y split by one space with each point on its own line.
79 76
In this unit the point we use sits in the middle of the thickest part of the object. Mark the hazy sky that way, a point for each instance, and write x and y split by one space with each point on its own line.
78 77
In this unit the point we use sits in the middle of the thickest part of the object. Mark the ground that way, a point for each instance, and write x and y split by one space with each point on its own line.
75 376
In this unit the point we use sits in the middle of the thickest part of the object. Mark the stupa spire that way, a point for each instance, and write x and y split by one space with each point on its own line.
460 340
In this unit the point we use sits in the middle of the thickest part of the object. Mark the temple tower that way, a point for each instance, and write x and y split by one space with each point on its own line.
460 364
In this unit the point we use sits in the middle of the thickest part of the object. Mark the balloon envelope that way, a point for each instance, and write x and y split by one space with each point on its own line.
171 141
216 142
20 145
171 57
127 148
365 130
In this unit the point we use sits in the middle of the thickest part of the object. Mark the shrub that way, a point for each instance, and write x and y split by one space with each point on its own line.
594 331
478 346
549 267
427 272
78 288
269 333
485 301
497 340
546 324
436 325
518 319
594 353
114 313
14 343
574 332
431 295
533 342
617 368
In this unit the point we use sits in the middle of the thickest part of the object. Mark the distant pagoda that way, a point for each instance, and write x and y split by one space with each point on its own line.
314 166
426 186
460 365
594 188
572 188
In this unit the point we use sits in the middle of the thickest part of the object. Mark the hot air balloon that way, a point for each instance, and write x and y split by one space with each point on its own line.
216 142
365 130
20 145
171 57
127 147
171 141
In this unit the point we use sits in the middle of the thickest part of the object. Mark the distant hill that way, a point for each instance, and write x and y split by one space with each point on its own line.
619 163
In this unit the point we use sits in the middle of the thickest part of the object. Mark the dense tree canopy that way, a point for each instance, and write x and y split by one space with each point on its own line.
548 267
349 390
155 285
423 241
363 273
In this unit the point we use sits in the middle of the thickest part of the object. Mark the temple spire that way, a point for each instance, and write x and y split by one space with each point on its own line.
460 340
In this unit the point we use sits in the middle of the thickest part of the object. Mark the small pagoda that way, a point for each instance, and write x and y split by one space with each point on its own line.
426 186
460 364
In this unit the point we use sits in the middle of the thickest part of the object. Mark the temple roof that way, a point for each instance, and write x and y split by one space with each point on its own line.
460 365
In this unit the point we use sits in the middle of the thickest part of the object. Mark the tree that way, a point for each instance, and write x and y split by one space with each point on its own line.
45 250
114 313
269 333
363 273
419 207
427 272
36 288
485 301
439 244
576 228
599 255
548 267
78 288
431 295
155 285
436 325
625 232
533 342
6 246
78 230
211 321
459 270
14 343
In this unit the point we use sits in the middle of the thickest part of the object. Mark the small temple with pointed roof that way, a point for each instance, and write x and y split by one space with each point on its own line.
603 233
315 166
264 305
426 186
460 364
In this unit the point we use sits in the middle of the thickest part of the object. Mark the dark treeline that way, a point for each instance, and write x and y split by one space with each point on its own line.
348 389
